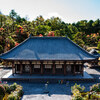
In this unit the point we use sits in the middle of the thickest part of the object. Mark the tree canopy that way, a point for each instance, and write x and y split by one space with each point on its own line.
14 29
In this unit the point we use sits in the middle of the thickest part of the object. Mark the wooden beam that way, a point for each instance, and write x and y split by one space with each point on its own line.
41 68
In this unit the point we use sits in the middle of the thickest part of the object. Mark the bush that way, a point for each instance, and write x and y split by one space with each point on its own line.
2 92
16 92
13 87
19 90
78 87
1 49
94 96
12 92
12 97
78 97
7 88
6 96
95 87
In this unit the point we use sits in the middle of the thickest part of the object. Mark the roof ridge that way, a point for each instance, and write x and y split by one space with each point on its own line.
47 37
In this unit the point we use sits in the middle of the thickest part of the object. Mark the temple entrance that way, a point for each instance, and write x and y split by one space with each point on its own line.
36 69
47 69
59 69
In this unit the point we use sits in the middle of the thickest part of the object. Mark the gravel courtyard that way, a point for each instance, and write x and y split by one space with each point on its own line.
35 91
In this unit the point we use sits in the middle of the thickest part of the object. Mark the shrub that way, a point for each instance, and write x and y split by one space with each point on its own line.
2 92
12 92
7 88
13 87
95 87
16 93
12 97
78 97
94 96
19 90
6 96
78 87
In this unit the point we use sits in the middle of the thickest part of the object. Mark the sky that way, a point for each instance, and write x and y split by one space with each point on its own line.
69 11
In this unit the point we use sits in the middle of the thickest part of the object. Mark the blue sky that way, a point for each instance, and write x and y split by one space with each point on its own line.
68 10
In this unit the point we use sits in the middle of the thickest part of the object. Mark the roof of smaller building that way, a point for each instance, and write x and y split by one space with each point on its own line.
94 52
47 48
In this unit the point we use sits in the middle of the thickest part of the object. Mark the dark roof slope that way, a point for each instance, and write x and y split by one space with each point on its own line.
47 48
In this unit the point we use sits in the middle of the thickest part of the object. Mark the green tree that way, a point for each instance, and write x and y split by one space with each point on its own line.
13 15
96 25
98 46
1 49
42 29
39 20
79 39
72 30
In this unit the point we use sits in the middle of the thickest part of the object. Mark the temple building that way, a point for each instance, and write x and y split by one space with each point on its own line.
48 56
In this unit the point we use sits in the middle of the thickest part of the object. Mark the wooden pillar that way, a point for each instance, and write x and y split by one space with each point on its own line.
41 68
53 69
33 69
13 68
21 68
94 63
65 68
97 63
74 69
82 70
30 68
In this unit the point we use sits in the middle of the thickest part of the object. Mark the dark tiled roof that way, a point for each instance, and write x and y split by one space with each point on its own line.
47 48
